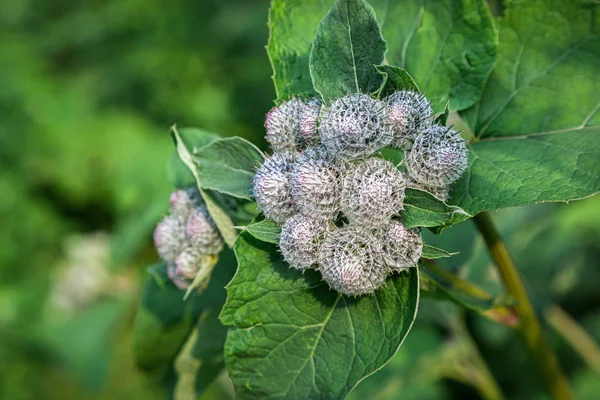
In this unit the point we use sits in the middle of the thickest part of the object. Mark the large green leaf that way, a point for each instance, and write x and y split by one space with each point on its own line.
347 46
448 46
227 165
537 128
292 24
292 337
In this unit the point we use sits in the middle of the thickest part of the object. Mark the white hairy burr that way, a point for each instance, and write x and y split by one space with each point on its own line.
373 191
408 113
438 157
299 241
351 261
316 184
202 233
169 237
355 126
402 247
272 190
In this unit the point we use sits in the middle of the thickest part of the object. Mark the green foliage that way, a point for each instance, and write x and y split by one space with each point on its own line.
448 47
227 166
347 46
423 209
394 79
292 337
431 252
537 126
293 24
267 231
167 324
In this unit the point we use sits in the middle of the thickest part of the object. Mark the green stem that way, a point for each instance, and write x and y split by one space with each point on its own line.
530 329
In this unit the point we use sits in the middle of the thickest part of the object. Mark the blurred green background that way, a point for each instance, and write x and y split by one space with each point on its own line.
88 91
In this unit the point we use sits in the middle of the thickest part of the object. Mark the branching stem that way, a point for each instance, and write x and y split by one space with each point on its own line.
530 329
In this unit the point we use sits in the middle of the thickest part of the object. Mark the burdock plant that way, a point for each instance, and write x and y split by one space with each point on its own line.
365 156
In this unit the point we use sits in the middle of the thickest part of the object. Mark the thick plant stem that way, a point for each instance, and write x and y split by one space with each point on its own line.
530 329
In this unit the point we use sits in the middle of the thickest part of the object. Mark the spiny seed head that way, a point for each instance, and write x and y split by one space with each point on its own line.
299 240
182 201
271 186
351 262
316 184
281 124
177 280
202 232
169 237
307 126
402 247
408 113
292 125
187 263
373 191
438 157
355 126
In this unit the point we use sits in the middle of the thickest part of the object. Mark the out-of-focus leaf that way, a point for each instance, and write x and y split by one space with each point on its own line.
347 46
201 358
292 24
293 337
440 283
164 321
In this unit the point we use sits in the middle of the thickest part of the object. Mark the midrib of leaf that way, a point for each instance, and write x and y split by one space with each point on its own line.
314 348
527 83
577 129
352 49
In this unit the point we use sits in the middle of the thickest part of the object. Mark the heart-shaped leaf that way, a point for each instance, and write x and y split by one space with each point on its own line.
537 127
292 337
347 46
